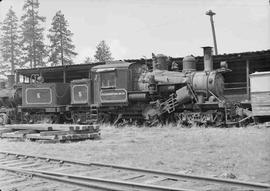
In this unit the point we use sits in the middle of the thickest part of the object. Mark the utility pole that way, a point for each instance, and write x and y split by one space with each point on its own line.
211 14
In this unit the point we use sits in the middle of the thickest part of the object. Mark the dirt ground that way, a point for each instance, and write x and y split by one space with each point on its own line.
244 152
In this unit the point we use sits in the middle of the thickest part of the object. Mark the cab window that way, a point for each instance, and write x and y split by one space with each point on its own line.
108 79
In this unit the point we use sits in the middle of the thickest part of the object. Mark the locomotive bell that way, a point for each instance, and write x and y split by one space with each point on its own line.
161 62
189 64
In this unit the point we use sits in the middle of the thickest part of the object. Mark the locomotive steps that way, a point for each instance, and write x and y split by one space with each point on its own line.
50 132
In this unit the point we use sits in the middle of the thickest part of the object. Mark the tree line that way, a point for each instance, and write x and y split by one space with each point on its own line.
22 42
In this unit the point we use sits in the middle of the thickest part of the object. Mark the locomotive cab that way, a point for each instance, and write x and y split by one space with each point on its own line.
114 81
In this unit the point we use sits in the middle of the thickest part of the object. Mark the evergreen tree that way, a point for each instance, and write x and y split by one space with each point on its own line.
88 60
103 52
33 47
61 46
9 42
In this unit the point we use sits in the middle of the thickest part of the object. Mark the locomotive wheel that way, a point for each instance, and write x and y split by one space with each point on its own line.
153 121
219 119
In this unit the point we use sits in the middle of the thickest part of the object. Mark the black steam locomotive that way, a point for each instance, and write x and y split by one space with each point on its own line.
123 92
128 92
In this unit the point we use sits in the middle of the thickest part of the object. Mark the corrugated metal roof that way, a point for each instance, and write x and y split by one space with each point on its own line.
231 56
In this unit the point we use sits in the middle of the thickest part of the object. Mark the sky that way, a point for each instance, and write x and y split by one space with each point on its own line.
135 28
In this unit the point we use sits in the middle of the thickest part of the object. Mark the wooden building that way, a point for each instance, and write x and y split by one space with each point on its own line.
260 93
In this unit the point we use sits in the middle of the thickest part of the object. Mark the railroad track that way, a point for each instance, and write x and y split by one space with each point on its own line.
28 172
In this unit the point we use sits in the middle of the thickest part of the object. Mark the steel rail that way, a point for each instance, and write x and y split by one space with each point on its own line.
64 180
166 174
91 181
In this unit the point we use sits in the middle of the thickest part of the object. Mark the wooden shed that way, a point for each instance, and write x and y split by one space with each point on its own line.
260 93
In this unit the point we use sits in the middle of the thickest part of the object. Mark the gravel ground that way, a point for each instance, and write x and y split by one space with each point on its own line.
243 152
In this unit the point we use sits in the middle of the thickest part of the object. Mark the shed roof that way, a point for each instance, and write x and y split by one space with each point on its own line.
259 61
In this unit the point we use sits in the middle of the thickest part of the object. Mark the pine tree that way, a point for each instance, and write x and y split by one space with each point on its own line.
34 50
61 46
9 42
103 52
88 60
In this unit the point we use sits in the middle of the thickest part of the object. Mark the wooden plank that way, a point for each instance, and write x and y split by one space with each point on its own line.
26 131
94 135
85 128
38 127
50 133
47 141
55 127
46 133
38 136
12 135
79 136
5 130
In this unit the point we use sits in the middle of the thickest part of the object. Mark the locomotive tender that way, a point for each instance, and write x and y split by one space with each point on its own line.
124 92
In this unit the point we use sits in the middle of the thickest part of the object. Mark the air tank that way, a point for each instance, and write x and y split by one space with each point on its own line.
189 64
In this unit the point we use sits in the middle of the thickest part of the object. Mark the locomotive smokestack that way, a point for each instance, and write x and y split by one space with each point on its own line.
11 80
208 58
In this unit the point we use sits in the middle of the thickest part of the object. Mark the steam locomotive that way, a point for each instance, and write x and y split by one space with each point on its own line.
126 92
129 92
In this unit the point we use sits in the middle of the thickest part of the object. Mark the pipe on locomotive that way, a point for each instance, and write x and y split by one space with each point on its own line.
208 58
